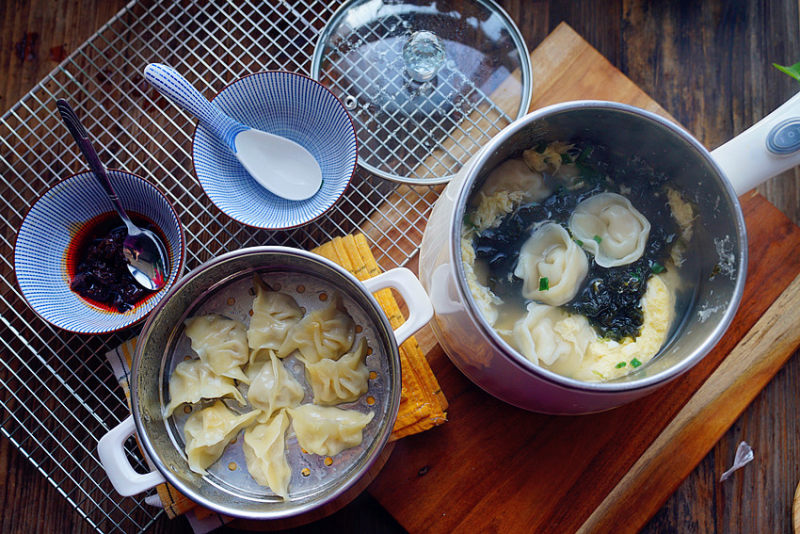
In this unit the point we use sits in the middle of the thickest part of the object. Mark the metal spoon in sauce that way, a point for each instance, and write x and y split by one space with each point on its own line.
144 251
280 165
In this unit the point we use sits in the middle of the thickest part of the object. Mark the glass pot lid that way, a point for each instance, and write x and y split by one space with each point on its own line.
426 82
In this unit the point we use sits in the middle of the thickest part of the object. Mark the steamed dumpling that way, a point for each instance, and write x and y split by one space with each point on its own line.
323 333
326 430
221 343
274 314
193 380
551 265
264 452
610 228
209 431
342 380
551 337
272 387
514 175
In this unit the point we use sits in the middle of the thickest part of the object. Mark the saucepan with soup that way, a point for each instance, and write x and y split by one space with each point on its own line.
593 251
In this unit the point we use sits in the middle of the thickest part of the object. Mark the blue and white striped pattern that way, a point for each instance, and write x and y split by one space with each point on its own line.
177 89
50 225
293 106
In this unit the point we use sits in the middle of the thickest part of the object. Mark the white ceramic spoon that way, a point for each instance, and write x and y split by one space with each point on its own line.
282 166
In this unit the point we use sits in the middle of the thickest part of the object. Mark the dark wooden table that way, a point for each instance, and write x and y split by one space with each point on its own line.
708 63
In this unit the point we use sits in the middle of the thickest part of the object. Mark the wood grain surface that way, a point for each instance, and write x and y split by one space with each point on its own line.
706 63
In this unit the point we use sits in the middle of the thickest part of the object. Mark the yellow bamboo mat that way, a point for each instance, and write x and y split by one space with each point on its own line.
422 403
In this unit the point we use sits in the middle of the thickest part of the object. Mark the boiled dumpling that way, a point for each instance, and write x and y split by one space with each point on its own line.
209 431
264 451
221 343
193 380
552 337
551 265
326 430
342 380
610 227
323 333
514 175
274 314
272 387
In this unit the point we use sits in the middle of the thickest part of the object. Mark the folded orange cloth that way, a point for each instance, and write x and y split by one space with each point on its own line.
422 403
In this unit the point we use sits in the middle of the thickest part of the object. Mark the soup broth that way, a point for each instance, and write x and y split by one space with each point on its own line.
577 263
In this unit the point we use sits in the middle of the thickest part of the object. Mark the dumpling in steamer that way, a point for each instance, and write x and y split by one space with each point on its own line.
342 380
611 229
221 343
272 387
193 380
323 333
209 431
551 265
514 175
264 451
551 337
326 430
274 314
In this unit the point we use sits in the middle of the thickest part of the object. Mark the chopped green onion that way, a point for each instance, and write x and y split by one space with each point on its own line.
544 283
635 363
597 238
579 242
566 159
657 268
599 374
620 365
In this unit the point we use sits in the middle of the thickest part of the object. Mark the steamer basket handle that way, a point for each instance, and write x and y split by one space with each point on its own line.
420 310
769 147
111 449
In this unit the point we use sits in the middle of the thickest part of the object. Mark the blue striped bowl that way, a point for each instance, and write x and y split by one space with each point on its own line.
40 252
286 104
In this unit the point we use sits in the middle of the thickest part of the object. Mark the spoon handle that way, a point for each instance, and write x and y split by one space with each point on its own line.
183 94
78 132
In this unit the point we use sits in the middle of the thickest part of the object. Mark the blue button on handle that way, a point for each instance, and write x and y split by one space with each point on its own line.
784 138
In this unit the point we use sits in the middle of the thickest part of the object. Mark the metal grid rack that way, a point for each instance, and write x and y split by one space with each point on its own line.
57 392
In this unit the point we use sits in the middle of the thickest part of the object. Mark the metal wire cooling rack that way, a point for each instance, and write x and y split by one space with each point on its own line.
57 392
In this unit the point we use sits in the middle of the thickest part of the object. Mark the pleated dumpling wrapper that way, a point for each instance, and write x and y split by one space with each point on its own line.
342 380
274 314
272 387
326 430
264 451
209 431
221 343
193 380
324 333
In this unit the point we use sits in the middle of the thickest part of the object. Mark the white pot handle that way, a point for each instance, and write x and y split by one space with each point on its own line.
111 449
443 289
420 310
769 147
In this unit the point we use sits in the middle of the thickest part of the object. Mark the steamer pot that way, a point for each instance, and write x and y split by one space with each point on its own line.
711 181
224 285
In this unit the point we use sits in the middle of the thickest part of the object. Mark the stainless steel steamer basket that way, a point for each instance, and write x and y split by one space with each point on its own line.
224 285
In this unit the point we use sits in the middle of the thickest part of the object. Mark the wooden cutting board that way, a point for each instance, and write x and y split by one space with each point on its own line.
497 468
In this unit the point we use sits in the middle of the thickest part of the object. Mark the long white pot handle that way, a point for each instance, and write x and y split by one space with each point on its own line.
420 310
767 148
111 449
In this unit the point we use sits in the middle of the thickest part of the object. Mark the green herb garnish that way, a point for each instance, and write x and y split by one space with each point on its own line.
635 363
566 159
657 268
579 242
585 153
544 283
468 220
792 70
599 374
598 239
620 365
